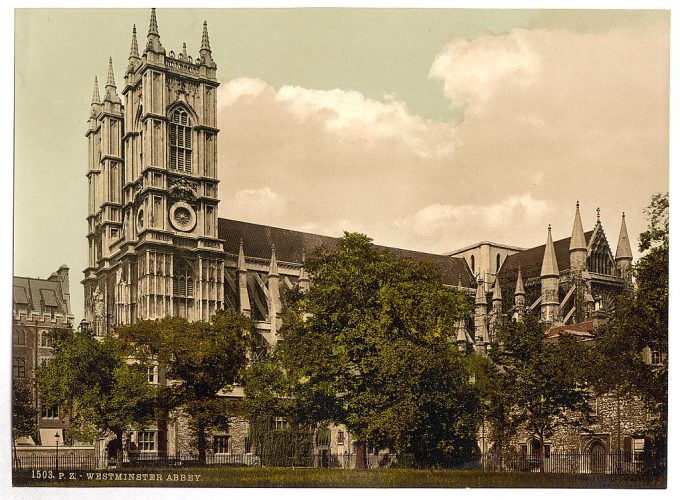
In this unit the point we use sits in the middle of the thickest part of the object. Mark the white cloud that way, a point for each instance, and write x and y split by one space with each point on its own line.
550 117
473 70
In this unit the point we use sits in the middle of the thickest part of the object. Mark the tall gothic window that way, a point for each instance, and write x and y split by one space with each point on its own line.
180 141
183 282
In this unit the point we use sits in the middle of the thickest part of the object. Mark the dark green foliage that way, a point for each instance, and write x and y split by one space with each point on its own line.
95 380
201 359
639 326
543 383
24 413
370 346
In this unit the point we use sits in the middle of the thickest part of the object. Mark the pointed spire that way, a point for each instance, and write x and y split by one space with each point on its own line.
578 237
96 100
110 79
623 250
205 54
549 267
95 94
461 336
273 264
497 297
134 48
480 298
110 94
205 41
241 257
153 39
519 286
153 24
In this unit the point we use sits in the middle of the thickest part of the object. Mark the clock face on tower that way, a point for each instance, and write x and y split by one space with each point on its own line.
182 216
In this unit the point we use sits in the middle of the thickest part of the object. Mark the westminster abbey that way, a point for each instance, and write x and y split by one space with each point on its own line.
157 248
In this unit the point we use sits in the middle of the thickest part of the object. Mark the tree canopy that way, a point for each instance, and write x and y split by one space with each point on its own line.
200 360
543 383
631 355
372 346
97 383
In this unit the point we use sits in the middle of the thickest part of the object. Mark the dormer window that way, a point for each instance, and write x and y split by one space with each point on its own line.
180 141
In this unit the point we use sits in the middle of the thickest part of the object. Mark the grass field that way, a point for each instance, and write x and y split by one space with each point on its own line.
340 478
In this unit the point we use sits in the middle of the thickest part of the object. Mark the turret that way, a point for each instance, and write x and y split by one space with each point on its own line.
481 330
550 282
244 299
577 246
624 254
274 295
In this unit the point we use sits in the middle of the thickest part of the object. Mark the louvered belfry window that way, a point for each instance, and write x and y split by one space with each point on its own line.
183 283
180 141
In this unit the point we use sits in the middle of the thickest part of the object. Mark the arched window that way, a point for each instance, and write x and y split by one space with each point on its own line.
498 261
183 281
19 368
472 263
180 141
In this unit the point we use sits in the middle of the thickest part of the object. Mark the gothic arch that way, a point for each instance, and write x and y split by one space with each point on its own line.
184 106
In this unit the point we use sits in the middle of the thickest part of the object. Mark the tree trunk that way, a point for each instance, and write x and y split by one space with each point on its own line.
360 463
119 450
200 430
541 455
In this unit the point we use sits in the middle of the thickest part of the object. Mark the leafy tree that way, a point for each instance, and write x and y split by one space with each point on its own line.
640 325
543 381
103 390
24 413
201 359
495 403
369 346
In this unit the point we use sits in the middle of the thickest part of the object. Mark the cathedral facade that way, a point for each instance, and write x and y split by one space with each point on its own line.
157 248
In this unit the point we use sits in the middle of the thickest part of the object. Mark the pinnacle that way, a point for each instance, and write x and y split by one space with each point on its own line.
134 48
549 267
578 238
497 291
153 24
273 265
519 286
205 41
241 257
623 250
95 94
480 298
110 80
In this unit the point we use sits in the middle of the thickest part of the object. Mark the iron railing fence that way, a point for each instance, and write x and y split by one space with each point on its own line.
576 462
564 462
67 461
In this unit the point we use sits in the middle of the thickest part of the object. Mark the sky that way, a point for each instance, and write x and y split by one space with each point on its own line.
425 129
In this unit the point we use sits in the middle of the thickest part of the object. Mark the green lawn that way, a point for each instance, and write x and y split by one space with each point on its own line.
343 478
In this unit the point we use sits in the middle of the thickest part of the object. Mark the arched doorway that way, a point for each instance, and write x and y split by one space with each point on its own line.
598 458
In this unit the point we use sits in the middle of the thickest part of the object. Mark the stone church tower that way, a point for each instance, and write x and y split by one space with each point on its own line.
153 246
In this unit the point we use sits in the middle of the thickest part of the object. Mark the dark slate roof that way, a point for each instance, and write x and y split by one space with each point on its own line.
32 290
290 244
530 261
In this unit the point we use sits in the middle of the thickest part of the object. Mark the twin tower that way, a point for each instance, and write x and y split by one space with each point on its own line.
153 246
